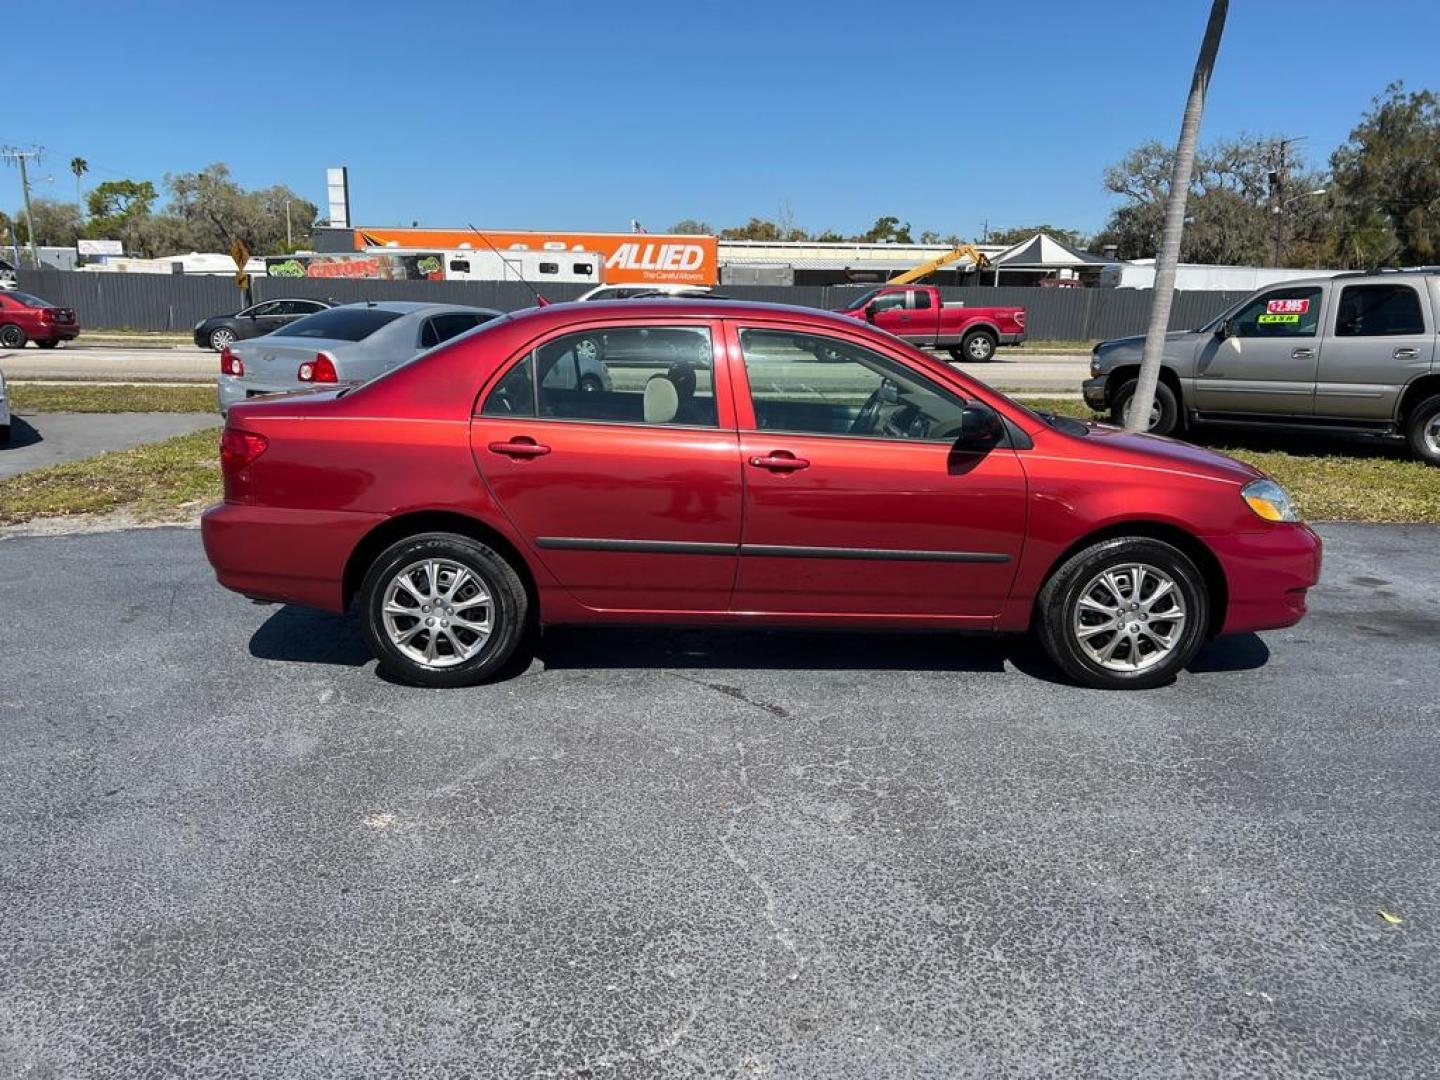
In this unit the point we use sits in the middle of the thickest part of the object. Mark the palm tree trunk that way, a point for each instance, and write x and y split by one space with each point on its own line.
1169 253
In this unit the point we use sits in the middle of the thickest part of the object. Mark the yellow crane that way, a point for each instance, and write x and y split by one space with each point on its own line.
928 267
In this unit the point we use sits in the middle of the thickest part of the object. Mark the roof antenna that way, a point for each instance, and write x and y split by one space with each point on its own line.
540 301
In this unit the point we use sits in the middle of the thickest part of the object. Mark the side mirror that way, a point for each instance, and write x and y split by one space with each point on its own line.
1224 330
980 427
870 311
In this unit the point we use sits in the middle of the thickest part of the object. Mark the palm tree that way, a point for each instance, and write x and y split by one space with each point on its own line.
79 166
1169 253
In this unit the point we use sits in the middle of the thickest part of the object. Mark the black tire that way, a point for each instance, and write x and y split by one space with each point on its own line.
12 337
1165 416
4 434
978 347
1422 430
509 609
591 384
47 344
1057 607
222 336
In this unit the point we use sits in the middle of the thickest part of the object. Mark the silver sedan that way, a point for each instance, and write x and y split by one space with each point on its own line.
346 344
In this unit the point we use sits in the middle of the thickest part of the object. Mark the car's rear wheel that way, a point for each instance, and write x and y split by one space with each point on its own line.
591 384
4 434
47 344
12 337
1164 411
977 346
221 337
442 610
1422 430
1124 614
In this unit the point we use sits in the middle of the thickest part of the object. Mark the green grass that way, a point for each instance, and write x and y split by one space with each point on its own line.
1040 348
164 481
90 398
1333 479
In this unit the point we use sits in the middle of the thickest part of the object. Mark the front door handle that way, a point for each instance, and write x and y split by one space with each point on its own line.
780 461
519 447
1303 354
1405 353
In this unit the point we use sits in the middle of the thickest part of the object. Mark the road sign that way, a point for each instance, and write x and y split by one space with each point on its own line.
240 253
242 280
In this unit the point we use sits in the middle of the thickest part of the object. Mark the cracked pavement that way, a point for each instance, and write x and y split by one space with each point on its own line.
231 849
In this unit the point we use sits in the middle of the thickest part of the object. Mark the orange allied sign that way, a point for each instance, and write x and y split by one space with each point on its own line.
629 257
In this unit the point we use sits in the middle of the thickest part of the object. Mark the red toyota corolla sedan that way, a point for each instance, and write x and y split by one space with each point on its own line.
738 464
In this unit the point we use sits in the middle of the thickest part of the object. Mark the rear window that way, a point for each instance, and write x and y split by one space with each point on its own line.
28 299
340 324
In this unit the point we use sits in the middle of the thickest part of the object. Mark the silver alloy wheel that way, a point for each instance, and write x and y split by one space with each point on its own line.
1154 412
587 350
1432 434
980 347
438 612
221 338
1129 617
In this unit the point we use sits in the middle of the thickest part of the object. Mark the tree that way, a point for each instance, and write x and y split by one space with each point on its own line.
1073 237
57 224
886 230
754 229
215 211
79 166
1174 227
120 210
1387 182
691 227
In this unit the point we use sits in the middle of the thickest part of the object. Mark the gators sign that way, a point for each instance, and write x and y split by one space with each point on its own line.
629 257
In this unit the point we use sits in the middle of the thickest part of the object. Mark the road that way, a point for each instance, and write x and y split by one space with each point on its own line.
39 439
110 363
229 848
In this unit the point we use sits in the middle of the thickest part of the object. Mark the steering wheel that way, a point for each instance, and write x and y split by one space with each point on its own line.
869 414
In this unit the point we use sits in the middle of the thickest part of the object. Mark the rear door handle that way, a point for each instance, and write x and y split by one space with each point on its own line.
1406 353
519 447
1303 354
780 461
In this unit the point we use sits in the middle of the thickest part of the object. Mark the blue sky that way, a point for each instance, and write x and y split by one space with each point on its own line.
584 115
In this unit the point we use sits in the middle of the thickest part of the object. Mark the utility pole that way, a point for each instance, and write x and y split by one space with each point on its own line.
1169 254
21 158
289 242
1279 177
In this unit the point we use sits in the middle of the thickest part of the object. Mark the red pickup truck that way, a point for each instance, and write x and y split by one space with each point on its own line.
917 314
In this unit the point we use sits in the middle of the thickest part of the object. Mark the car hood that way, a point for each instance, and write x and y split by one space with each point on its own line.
1158 451
1137 341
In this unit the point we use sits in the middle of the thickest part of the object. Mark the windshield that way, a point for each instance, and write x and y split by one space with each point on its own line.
340 324
860 301
28 299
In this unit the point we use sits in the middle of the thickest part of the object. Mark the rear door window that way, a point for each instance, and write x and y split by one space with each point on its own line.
921 299
1378 311
340 324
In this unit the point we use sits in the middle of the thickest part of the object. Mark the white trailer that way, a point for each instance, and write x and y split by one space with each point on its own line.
483 264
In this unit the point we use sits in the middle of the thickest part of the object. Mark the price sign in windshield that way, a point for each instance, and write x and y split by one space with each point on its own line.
1288 307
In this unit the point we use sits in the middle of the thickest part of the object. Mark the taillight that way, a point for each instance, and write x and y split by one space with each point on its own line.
239 448
47 314
321 369
1020 317
230 364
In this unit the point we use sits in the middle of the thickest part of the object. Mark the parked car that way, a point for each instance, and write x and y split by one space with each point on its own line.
345 344
920 315
805 469
1354 352
254 321
4 412
638 289
25 317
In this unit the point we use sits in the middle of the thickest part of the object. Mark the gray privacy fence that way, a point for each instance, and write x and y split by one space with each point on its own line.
175 302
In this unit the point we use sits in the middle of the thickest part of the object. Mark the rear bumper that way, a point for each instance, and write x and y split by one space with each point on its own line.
56 332
1267 575
1097 394
233 389
1012 339
290 556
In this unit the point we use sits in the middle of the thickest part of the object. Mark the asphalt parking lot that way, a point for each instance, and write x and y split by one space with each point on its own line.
40 439
230 848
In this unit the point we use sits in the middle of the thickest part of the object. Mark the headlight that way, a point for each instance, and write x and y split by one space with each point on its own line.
1095 361
1270 501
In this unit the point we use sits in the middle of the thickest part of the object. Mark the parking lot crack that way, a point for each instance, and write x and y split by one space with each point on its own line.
739 695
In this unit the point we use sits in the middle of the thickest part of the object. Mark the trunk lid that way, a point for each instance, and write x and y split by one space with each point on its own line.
274 361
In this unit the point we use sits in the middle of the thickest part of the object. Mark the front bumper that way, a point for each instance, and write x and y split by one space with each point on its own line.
1267 574
1097 393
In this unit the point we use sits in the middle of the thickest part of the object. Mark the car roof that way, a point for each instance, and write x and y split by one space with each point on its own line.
407 307
672 307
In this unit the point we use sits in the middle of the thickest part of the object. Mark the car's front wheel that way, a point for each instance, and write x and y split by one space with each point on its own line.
1124 614
442 610
1422 430
1164 411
